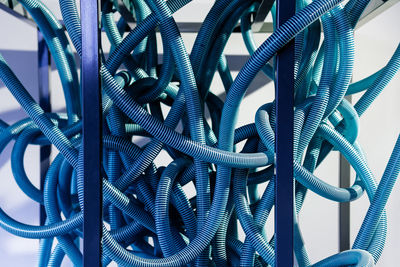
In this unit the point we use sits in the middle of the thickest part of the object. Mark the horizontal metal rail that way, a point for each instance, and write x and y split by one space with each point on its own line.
375 8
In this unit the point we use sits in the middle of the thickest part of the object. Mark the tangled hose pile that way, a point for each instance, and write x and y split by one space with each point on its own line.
148 218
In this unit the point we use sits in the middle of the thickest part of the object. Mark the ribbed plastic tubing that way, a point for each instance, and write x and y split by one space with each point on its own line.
165 130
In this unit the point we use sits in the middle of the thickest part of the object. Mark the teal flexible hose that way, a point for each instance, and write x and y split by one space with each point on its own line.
348 258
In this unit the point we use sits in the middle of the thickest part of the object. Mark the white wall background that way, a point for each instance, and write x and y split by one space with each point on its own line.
380 125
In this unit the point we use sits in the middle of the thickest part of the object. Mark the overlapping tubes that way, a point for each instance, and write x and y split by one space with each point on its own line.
149 220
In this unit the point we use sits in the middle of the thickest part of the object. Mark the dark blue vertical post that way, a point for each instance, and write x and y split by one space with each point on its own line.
344 207
91 115
44 101
284 95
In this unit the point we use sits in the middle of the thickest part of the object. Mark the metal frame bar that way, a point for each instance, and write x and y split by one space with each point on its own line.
261 15
92 121
284 95
16 10
44 65
375 8
344 207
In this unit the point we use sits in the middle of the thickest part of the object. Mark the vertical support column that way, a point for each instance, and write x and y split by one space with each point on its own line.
44 64
344 208
284 95
91 115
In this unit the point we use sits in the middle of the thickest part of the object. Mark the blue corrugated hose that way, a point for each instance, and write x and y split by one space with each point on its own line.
150 219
